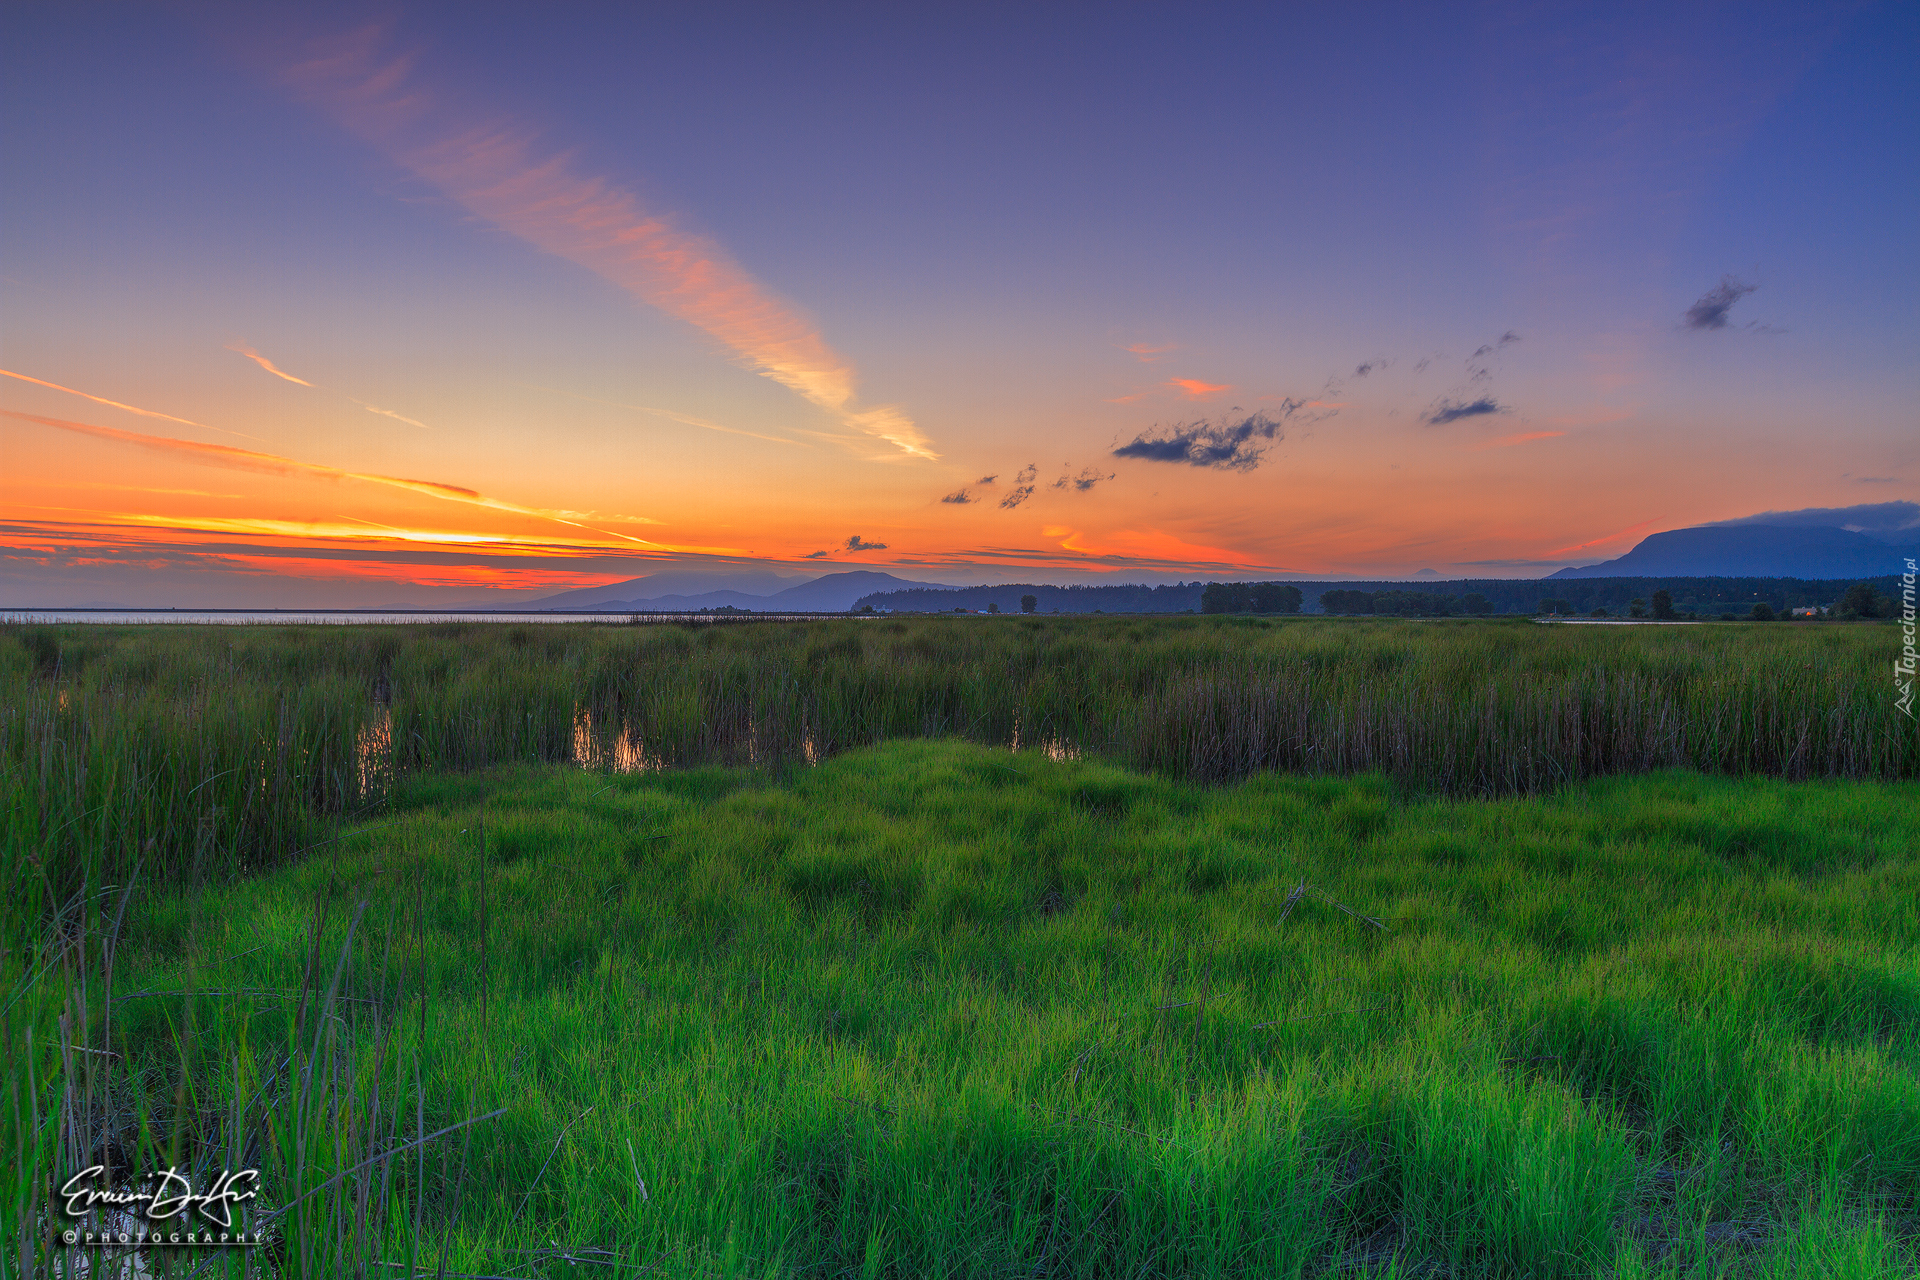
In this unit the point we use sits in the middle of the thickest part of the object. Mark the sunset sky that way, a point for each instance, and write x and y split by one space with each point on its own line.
451 303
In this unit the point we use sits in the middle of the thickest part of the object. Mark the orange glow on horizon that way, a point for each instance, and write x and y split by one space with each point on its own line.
274 464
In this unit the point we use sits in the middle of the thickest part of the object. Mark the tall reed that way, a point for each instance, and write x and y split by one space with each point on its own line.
227 747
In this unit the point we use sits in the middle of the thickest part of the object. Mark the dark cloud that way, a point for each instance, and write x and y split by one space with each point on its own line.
1087 478
1226 446
1506 339
986 479
959 496
1420 365
1711 311
816 555
1885 520
855 544
1452 411
1017 495
1027 473
1370 366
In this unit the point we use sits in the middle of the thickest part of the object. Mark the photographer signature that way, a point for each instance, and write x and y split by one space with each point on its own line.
174 1195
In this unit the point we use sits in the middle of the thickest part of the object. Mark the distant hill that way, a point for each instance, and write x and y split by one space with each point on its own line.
1754 550
833 593
844 590
753 581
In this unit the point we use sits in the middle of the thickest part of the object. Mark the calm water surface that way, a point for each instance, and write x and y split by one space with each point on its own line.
351 616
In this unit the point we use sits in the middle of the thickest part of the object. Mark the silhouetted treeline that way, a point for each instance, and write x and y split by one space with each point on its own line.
1583 595
1424 598
1131 597
1403 604
1250 597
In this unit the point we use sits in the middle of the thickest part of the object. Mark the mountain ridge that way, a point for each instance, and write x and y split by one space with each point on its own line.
1752 550
829 593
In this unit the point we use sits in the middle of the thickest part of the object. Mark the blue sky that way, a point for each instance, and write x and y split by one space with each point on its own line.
985 239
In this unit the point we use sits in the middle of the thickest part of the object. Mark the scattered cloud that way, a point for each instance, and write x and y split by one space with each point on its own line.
145 413
1087 478
1146 354
1194 389
1875 519
959 497
815 555
1712 310
1369 367
856 543
985 480
496 170
1226 446
1877 480
412 422
1022 487
1136 396
1506 339
247 351
1453 411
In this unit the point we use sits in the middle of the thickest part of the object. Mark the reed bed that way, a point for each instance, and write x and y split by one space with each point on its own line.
225 748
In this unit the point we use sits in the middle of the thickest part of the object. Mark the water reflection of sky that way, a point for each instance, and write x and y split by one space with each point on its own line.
350 616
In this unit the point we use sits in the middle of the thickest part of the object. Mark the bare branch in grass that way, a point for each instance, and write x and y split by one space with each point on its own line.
384 1155
1334 1013
1069 1117
550 1155
1303 888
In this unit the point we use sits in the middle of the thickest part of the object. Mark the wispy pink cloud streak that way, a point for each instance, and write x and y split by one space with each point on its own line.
496 171
242 348
145 413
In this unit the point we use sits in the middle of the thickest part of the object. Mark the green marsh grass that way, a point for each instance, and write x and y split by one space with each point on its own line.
934 1009
1467 991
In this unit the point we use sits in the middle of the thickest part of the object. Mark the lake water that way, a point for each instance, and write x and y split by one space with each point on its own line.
349 617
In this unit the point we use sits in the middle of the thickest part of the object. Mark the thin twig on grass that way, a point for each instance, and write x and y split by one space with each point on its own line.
550 1155
1069 1117
1311 1016
1303 888
384 1155
1292 899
